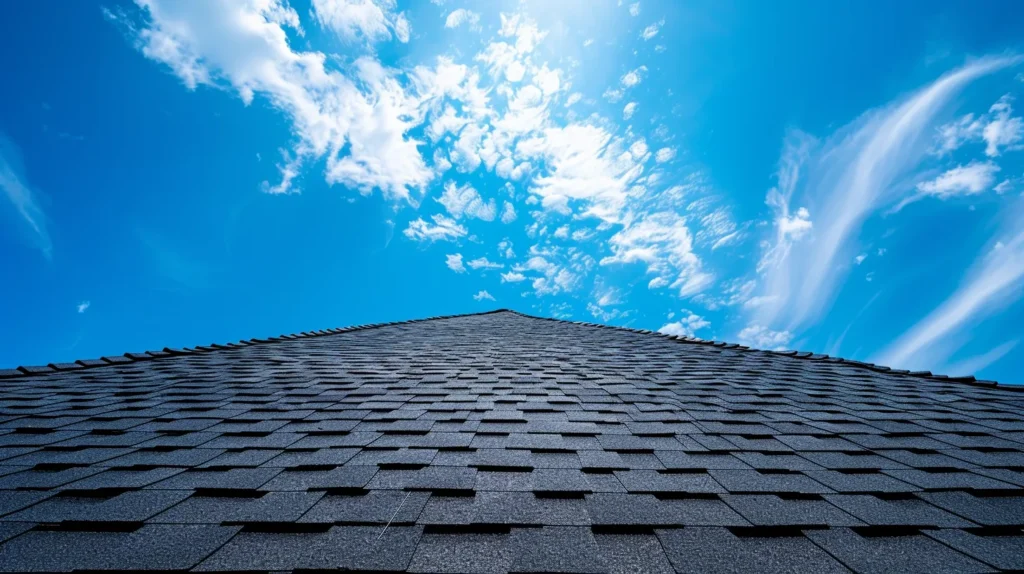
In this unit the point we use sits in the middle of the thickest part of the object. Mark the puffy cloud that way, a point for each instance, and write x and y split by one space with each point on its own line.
584 163
634 9
358 120
761 337
508 213
970 179
997 128
355 19
634 77
688 324
460 16
573 98
663 242
454 262
629 110
83 307
484 263
652 30
1003 130
466 201
443 229
482 295
512 277
664 154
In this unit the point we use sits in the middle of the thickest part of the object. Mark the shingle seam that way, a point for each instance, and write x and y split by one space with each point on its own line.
166 352
968 380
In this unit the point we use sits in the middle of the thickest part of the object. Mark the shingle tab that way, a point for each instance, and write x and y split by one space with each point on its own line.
505 443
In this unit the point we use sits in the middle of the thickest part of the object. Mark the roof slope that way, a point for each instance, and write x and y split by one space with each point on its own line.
501 442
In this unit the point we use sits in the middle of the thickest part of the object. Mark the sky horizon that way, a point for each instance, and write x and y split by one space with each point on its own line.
843 178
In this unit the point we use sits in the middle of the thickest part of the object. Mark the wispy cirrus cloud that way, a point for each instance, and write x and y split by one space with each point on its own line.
994 280
23 199
827 190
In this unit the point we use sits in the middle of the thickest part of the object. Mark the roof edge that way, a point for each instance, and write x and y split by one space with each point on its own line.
25 371
806 355
127 358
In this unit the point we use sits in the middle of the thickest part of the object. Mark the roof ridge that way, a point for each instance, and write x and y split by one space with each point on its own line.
969 379
127 358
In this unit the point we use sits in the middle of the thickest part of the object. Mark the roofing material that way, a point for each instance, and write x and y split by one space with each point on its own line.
505 443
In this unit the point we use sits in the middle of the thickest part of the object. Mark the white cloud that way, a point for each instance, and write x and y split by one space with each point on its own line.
971 365
761 337
629 110
512 277
613 96
664 154
443 229
851 175
21 196
584 163
484 263
652 30
573 98
358 119
634 9
83 307
634 77
688 324
482 295
454 262
970 179
466 201
949 137
457 17
356 19
860 258
663 242
508 213
993 280
1003 130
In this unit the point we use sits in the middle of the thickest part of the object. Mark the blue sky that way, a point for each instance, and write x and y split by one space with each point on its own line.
840 177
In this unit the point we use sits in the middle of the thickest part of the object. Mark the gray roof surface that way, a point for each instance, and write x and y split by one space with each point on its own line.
501 442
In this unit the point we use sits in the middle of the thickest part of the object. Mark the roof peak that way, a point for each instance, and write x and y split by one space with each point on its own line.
169 352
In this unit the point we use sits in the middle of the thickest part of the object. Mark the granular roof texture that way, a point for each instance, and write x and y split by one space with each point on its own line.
505 443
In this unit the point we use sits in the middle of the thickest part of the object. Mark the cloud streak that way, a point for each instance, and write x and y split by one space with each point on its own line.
839 184
991 282
22 197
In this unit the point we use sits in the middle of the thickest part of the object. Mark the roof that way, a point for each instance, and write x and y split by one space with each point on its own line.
505 443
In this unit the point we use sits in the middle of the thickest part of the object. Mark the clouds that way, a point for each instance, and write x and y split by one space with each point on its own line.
460 16
634 77
454 262
663 243
629 110
483 296
998 129
83 307
990 283
761 337
443 229
687 325
970 179
839 183
22 198
465 201
357 118
652 30
354 20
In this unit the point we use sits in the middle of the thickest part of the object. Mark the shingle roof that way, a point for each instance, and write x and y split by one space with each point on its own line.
505 443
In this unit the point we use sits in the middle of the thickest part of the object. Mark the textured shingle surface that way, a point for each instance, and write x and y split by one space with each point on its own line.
505 443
